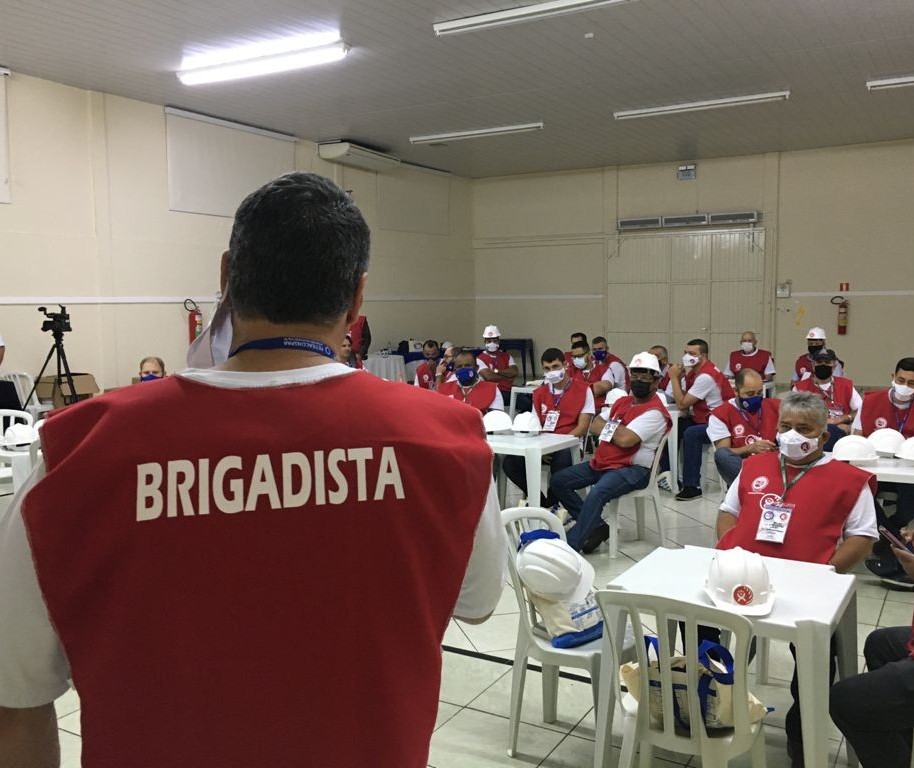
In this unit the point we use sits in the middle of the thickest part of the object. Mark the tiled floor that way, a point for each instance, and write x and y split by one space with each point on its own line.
472 723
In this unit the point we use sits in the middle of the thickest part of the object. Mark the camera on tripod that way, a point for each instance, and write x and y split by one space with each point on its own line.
57 322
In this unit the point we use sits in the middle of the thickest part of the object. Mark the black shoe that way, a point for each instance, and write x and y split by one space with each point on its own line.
688 493
883 567
592 543
901 581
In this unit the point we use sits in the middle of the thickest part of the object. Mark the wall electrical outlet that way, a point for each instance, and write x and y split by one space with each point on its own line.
783 289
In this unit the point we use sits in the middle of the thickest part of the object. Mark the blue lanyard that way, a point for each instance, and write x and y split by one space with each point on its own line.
287 342
895 409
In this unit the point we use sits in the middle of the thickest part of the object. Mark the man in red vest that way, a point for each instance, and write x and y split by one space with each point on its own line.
564 406
576 336
622 462
815 340
500 367
799 504
838 394
615 364
425 371
750 356
743 426
592 373
179 553
361 337
697 384
468 387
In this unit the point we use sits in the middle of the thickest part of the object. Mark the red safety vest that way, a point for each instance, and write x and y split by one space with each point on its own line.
823 499
611 456
480 395
757 361
838 400
355 331
498 361
569 403
233 573
700 410
425 373
745 428
879 412
590 378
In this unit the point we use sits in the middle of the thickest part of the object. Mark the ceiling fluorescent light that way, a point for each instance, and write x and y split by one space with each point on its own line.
265 65
889 82
518 15
699 106
479 133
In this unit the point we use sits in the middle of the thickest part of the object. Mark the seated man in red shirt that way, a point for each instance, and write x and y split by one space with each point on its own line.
586 369
616 365
815 340
497 365
425 371
622 462
468 387
564 406
744 425
750 356
838 394
799 504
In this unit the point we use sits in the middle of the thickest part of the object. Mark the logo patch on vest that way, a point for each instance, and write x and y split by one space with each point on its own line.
543 408
769 499
760 483
742 594
737 366
739 430
881 423
751 439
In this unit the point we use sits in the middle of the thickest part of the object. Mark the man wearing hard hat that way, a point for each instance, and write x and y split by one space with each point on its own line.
500 367
803 367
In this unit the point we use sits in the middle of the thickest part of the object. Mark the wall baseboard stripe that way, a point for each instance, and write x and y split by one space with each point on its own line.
18 300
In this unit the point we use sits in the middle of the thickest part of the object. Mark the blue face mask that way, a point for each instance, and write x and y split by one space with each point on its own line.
599 355
466 376
149 377
751 404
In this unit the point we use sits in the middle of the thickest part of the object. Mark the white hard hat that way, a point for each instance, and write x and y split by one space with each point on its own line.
614 394
646 360
738 581
526 422
491 332
855 449
551 568
497 421
19 435
816 333
906 451
886 441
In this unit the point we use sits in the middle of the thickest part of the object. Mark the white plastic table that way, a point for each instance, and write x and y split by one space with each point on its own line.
389 367
532 448
21 464
812 602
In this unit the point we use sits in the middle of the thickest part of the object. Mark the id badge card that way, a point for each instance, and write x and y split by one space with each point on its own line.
606 435
835 413
772 525
551 421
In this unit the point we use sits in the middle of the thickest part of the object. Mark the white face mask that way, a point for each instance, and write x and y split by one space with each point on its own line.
689 360
903 392
579 362
553 377
491 346
795 446
746 346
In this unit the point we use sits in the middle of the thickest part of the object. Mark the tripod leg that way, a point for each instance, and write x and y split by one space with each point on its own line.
38 377
62 359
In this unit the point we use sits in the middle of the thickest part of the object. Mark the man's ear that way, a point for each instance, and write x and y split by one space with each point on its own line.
223 271
353 314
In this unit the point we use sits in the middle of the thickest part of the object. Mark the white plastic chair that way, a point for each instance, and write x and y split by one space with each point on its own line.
15 417
611 510
716 747
532 640
24 384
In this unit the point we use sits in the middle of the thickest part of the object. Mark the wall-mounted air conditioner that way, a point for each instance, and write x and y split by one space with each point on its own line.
650 222
738 217
347 153
689 220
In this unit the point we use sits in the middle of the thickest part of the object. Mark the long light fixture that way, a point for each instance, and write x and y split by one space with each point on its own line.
699 106
889 82
255 66
519 15
479 133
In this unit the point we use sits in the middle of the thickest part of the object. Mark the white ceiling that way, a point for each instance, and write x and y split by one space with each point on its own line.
400 80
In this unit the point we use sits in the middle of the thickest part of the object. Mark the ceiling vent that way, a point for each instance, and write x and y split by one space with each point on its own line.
739 217
625 225
689 220
347 153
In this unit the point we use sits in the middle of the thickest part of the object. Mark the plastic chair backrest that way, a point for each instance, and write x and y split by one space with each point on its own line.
24 384
517 520
655 465
9 416
668 614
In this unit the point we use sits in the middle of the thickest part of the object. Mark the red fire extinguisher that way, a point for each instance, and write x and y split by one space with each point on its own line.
194 319
841 303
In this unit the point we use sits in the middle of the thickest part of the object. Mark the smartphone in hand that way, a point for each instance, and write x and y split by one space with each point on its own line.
894 539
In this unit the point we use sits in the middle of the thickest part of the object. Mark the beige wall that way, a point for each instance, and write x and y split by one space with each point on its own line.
833 215
89 218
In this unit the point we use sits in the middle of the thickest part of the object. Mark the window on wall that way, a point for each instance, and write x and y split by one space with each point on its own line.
4 140
214 164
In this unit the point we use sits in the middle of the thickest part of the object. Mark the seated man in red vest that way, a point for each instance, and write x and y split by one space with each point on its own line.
697 384
622 462
564 406
425 371
576 336
187 619
799 504
468 387
890 409
586 369
750 356
617 369
815 340
745 425
838 394
346 356
499 366
152 368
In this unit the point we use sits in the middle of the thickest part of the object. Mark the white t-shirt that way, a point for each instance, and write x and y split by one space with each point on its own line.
861 521
33 668
615 373
705 388
650 427
769 366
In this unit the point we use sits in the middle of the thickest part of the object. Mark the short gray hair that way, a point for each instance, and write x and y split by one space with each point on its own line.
806 403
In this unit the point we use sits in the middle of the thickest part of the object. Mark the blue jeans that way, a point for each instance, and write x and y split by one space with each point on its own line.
728 464
693 439
607 485
515 469
835 433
